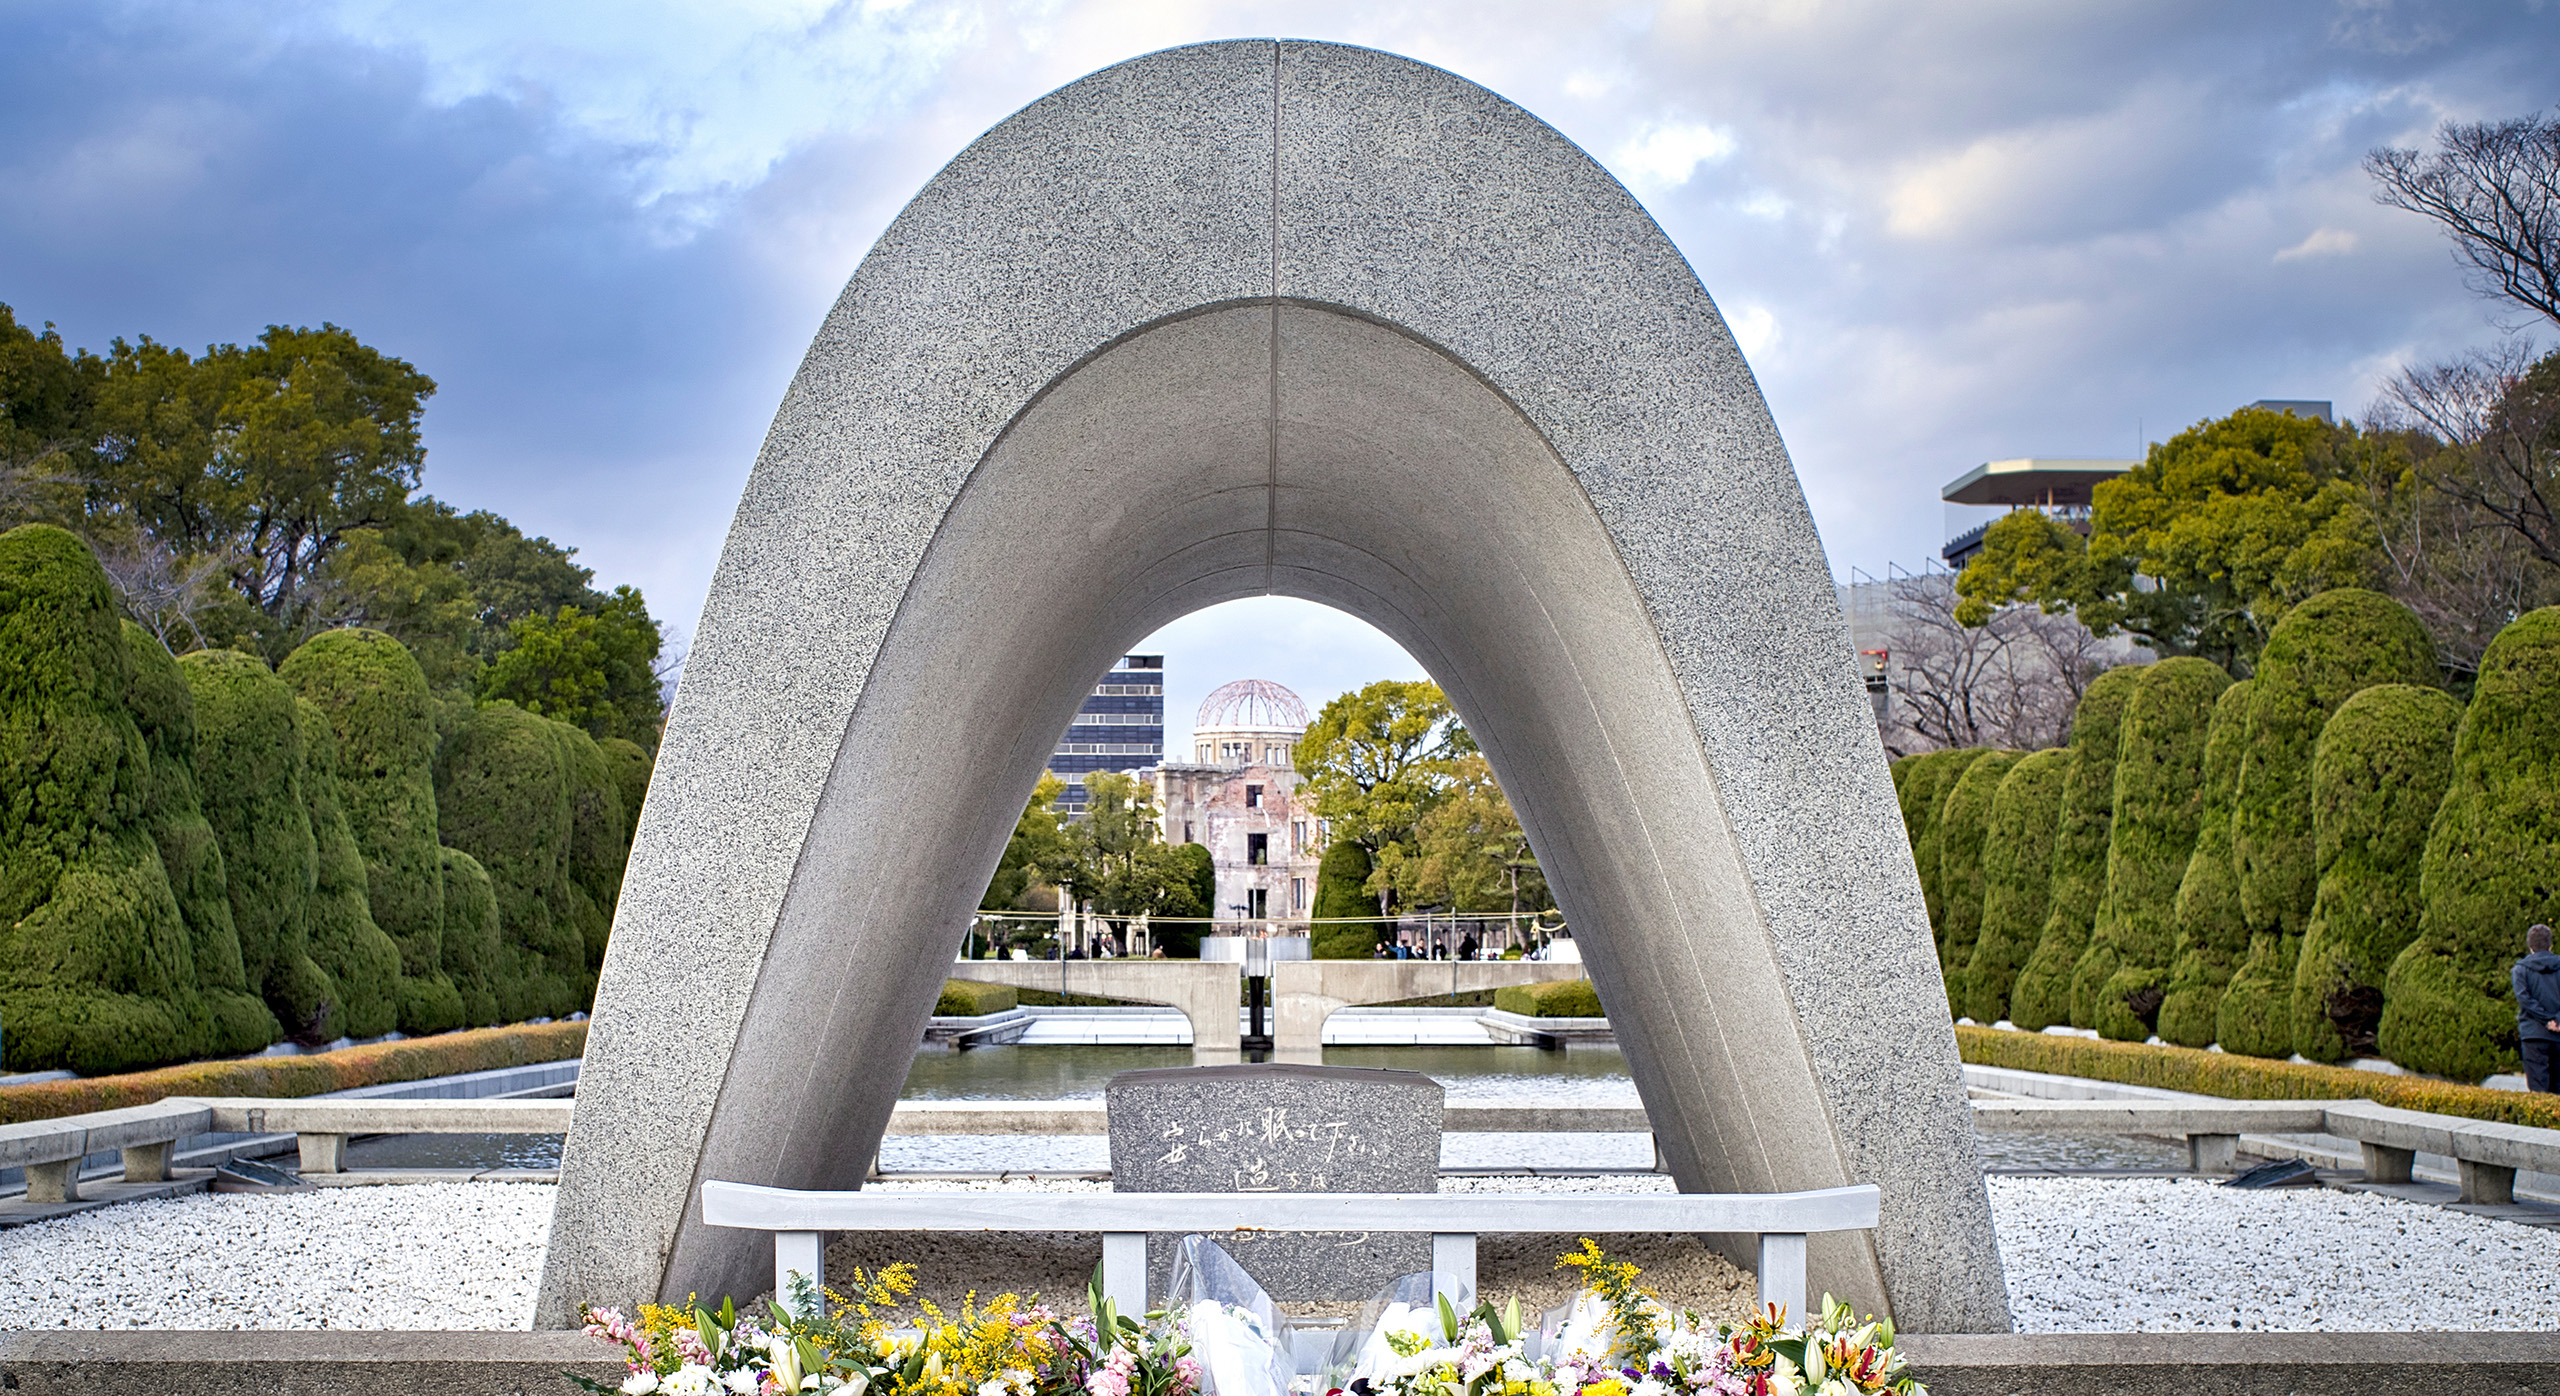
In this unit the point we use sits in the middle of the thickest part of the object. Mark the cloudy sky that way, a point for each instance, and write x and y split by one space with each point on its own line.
1943 232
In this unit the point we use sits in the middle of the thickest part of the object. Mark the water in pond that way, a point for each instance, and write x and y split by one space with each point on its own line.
1583 1076
397 1151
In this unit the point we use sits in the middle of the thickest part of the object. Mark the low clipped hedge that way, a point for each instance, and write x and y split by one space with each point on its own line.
413 1059
967 998
1556 998
2246 1078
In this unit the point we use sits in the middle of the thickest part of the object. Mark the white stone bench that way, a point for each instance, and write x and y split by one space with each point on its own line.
2486 1154
321 1127
800 1221
51 1150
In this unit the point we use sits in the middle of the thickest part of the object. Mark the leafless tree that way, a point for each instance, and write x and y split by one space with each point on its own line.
2495 187
2468 532
2013 681
161 588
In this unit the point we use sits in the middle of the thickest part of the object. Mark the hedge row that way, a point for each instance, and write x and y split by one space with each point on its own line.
200 856
2332 858
1556 998
967 998
2236 1077
380 1063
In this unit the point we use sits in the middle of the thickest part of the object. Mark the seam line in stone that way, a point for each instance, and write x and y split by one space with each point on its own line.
1271 364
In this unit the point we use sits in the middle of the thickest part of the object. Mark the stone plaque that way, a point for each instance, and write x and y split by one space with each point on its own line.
1283 1128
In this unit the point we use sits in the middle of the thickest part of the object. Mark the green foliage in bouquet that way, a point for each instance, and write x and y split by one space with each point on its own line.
2492 865
2211 933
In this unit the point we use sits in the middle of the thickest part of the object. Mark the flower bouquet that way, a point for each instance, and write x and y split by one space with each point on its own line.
848 1347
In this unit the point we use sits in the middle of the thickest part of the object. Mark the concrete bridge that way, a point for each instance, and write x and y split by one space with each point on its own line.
1304 992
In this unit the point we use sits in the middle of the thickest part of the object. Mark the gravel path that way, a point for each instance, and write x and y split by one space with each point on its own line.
2182 1255
2083 1254
428 1255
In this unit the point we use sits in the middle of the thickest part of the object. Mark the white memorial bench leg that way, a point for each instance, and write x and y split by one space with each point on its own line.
321 1153
1782 1279
57 1180
1454 1253
2213 1153
800 1253
148 1163
1124 1271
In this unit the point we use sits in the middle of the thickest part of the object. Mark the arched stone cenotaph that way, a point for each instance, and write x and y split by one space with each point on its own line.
1294 318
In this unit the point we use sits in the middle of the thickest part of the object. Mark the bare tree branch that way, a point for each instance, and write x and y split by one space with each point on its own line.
2495 186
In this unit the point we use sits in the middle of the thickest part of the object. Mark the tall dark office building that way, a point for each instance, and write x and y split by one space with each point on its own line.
1119 728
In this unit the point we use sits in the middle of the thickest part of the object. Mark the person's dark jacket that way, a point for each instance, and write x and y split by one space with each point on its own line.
2536 979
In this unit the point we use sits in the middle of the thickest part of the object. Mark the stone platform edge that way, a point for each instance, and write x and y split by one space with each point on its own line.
163 1362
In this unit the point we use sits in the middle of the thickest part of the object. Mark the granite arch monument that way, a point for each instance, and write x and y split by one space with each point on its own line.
1243 318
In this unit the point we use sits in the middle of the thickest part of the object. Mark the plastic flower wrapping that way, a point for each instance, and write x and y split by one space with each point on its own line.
837 1346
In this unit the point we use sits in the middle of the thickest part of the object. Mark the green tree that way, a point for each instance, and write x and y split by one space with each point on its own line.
2377 776
632 767
46 396
2492 865
599 842
96 970
375 697
236 1021
2201 548
1122 866
503 795
1470 853
1038 852
1963 823
2042 995
2211 934
1344 929
267 456
593 670
345 942
1181 939
2017 880
1374 762
2123 977
2322 653
249 753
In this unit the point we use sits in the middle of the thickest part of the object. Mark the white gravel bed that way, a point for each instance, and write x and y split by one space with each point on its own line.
2097 1255
2082 1255
424 1255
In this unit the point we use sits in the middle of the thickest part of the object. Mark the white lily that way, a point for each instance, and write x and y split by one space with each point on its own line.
640 1383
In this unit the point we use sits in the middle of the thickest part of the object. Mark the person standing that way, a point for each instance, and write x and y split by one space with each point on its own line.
2536 980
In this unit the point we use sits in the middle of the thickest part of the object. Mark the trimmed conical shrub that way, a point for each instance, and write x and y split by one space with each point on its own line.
96 971
2123 976
2376 778
373 693
2492 865
2321 654
344 940
2212 936
235 1021
1926 795
472 943
1342 879
1963 821
632 768
503 796
2017 880
2042 997
599 843
249 759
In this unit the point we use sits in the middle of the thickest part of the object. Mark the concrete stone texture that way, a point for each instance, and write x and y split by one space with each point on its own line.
1269 1127
1246 318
